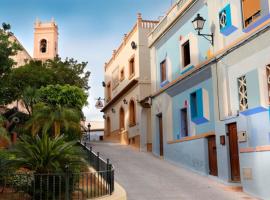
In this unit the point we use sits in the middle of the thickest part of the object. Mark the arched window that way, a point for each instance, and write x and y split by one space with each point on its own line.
108 127
43 46
132 113
122 119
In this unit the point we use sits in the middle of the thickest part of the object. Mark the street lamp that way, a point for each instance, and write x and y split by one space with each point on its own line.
89 137
198 24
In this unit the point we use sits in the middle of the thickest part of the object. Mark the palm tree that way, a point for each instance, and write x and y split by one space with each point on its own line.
45 154
29 98
53 117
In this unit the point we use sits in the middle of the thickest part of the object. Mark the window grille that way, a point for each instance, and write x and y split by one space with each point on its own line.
242 92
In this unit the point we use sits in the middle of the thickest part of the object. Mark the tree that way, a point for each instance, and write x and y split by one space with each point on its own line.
70 71
30 98
64 95
53 117
8 48
44 154
36 74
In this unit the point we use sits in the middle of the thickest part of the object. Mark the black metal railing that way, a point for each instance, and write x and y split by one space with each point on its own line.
60 186
100 165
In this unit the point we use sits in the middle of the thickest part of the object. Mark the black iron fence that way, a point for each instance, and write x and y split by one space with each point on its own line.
60 186
100 165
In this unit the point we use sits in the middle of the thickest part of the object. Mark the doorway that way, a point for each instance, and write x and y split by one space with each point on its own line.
122 119
234 154
108 126
160 125
212 154
184 122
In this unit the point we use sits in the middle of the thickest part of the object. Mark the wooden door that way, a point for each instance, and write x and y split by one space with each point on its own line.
122 119
234 154
212 153
108 126
160 135
184 123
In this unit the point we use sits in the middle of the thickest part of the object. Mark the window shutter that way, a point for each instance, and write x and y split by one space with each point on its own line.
250 7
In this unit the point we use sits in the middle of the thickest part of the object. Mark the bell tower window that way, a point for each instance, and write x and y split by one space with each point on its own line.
43 46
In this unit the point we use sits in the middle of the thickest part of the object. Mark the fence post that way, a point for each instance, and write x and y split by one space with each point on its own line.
111 179
67 183
97 161
108 175
108 162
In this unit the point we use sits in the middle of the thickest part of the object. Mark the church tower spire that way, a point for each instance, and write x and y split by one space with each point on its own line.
45 40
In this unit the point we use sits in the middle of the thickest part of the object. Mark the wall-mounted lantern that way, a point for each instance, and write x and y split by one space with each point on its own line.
99 103
125 101
133 45
198 24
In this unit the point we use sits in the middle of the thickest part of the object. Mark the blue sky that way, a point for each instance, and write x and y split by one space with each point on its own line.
88 29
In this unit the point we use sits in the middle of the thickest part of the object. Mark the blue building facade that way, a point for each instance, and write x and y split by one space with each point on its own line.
210 103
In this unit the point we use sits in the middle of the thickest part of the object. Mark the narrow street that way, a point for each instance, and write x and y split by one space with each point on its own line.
146 177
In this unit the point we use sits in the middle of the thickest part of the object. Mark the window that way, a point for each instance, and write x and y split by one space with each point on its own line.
199 106
268 81
109 94
132 113
43 46
184 122
131 67
122 119
242 93
122 74
251 11
163 73
193 103
115 78
186 53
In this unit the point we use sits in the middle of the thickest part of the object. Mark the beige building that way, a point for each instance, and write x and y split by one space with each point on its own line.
127 87
45 40
45 43
22 56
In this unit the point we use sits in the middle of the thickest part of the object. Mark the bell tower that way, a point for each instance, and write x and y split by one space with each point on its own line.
45 40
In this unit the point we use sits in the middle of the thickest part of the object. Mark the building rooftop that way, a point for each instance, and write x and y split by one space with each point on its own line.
146 24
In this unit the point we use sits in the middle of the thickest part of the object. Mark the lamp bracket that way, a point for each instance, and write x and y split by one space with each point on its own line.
209 37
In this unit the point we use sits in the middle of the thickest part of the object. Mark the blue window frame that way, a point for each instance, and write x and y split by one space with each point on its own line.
199 106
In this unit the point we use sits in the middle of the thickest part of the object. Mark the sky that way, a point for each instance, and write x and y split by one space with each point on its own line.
88 30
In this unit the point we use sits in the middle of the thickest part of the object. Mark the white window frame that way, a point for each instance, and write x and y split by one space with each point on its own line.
194 50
